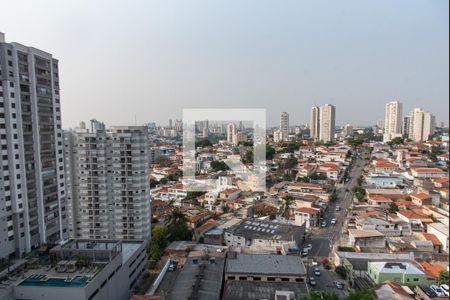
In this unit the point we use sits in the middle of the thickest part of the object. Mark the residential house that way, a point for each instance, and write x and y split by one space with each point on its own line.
306 216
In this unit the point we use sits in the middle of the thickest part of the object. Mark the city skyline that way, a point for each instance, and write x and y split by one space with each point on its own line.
218 56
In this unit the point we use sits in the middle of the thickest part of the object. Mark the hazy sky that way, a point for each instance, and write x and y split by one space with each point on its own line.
121 60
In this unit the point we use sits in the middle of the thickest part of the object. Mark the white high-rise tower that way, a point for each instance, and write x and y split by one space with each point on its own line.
32 192
393 120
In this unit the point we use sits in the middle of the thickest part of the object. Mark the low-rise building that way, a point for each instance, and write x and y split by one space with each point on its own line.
441 232
428 173
87 270
366 238
265 267
258 234
404 273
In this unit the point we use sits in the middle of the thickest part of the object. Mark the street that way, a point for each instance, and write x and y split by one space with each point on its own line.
323 239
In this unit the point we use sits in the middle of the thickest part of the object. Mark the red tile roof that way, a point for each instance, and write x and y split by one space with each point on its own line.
432 270
307 210
421 196
431 237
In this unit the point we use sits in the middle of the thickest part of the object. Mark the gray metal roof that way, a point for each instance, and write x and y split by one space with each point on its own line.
266 264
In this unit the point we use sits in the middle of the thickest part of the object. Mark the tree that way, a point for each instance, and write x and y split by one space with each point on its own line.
393 208
193 195
246 143
176 217
340 270
248 157
158 241
177 226
175 175
364 294
219 165
203 143
320 295
290 162
270 152
359 192
163 161
333 197
395 141
443 277
287 202
164 180
360 180
318 176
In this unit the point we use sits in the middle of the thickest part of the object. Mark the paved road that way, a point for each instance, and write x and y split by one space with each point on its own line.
322 239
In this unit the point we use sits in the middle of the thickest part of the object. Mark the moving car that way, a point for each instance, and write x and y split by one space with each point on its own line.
305 252
323 224
333 221
315 263
316 271
312 281
339 285
338 208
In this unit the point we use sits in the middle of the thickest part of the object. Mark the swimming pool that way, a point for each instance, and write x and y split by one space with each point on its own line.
77 282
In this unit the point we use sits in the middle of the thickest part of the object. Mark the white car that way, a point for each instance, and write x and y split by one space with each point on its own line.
445 288
339 285
440 292
315 263
333 221
305 252
307 247
323 224
338 208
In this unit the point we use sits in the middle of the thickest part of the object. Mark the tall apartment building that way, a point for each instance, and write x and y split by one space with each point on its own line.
231 132
284 125
421 125
393 121
109 187
405 125
32 192
314 125
327 119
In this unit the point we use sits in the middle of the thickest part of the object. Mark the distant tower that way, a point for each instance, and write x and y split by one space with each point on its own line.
284 124
327 118
422 125
231 132
393 120
314 125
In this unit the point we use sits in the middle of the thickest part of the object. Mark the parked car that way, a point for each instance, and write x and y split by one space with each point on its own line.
428 291
323 224
315 263
333 221
305 252
312 281
446 289
339 285
316 271
338 208
307 247
440 292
